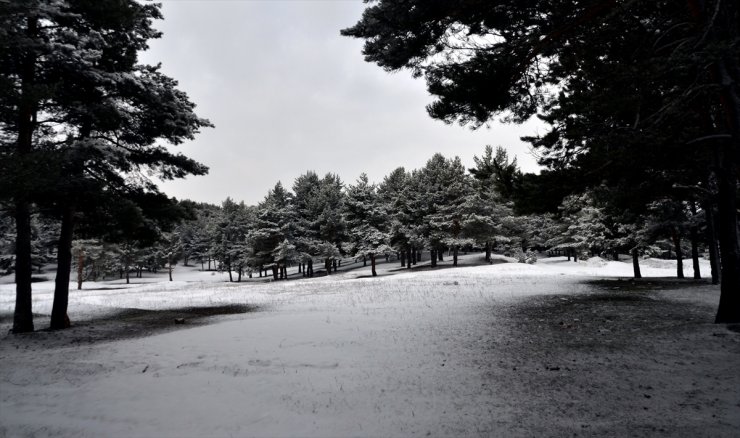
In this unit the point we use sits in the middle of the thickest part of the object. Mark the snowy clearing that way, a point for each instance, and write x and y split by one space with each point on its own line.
496 350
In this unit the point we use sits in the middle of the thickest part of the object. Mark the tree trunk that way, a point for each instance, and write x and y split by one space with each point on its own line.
679 254
372 264
310 268
694 243
433 257
80 268
169 266
403 259
636 263
726 73
231 277
729 247
364 261
59 318
23 313
408 258
712 242
440 255
712 246
575 254
488 252
454 255
413 256
275 272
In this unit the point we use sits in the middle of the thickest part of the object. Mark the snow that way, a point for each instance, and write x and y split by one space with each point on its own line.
394 355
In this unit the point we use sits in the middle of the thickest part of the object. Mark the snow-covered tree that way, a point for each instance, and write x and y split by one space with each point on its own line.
366 220
274 224
75 91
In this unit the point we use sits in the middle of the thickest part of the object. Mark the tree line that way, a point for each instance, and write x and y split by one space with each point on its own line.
439 208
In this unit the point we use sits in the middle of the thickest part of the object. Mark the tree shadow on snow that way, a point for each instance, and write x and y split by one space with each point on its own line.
135 323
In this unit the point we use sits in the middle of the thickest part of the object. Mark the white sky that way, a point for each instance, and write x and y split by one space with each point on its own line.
288 94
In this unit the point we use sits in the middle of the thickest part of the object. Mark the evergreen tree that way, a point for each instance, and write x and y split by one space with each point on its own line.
366 221
89 115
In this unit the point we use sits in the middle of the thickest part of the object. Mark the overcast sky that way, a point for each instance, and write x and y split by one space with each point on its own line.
288 94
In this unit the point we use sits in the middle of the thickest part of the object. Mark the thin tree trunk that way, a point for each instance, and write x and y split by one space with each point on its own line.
488 252
59 318
372 264
679 254
440 254
80 268
364 261
169 266
403 259
712 242
454 255
636 263
408 258
433 257
413 256
694 234
275 272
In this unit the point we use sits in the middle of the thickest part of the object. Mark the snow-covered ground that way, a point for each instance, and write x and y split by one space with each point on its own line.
412 354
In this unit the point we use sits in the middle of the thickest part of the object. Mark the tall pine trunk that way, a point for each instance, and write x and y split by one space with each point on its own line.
23 313
729 245
59 318
725 72
636 263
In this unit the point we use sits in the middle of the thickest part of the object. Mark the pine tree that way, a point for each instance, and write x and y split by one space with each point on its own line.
366 221
90 116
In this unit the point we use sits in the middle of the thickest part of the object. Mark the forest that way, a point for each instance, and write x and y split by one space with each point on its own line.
640 158
461 294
